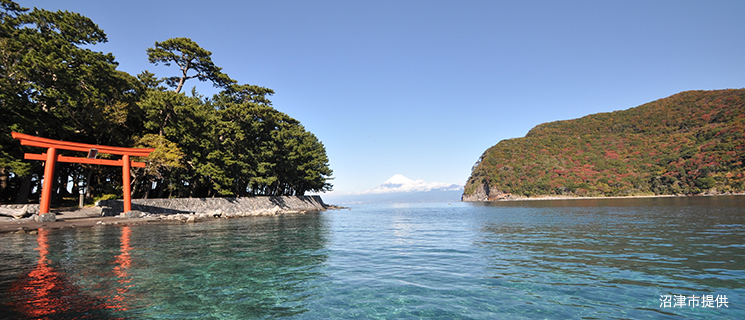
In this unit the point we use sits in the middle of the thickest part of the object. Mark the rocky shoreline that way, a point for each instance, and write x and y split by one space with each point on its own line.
483 195
162 211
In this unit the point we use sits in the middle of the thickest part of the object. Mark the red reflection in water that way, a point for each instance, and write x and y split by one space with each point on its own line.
45 293
42 281
123 261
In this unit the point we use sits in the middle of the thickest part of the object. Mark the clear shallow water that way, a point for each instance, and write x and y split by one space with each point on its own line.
581 259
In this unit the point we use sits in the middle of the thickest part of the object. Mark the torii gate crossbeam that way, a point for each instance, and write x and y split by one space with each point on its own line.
52 157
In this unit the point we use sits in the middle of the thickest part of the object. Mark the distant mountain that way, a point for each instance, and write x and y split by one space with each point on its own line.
400 189
399 183
689 143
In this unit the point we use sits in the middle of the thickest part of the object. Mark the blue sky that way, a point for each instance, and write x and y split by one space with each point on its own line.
423 88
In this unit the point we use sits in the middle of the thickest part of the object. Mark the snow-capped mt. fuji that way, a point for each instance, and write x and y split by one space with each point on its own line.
397 181
400 189
400 183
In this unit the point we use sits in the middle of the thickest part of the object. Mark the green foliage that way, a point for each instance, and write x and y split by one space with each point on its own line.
689 143
271 150
53 85
189 56
166 156
108 196
234 144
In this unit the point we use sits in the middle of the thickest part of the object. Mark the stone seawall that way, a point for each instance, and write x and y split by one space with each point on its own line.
229 206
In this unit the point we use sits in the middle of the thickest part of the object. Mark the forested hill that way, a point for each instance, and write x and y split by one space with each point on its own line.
689 143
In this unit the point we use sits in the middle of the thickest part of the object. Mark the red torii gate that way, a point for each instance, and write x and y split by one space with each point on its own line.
51 158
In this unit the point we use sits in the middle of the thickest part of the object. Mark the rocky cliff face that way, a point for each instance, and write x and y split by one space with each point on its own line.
481 194
485 193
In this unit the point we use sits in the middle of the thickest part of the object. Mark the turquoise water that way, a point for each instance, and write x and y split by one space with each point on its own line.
571 259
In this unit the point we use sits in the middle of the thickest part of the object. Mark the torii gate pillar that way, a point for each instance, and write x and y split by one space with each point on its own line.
46 189
126 184
52 157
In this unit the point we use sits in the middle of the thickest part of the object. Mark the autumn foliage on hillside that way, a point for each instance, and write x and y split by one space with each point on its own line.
689 143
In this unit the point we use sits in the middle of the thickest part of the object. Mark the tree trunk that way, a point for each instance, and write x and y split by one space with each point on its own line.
59 187
161 188
181 81
88 183
3 185
3 179
24 190
75 185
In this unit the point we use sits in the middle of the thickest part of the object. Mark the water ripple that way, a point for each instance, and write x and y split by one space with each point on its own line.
553 259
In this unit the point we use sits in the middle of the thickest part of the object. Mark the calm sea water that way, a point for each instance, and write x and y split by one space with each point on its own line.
578 259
